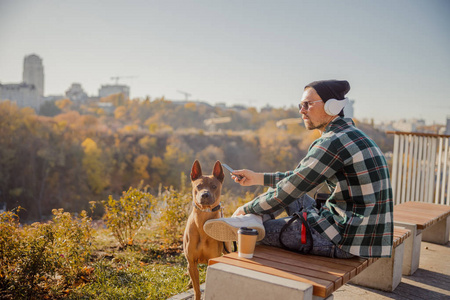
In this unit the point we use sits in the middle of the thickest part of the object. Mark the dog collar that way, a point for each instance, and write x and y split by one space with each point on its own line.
207 209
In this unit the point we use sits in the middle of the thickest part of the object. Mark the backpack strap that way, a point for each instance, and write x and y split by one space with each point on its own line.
230 250
305 230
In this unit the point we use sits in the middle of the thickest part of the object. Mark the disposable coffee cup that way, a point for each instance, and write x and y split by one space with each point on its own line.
247 241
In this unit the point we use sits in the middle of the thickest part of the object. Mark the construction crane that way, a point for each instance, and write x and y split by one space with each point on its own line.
116 78
186 95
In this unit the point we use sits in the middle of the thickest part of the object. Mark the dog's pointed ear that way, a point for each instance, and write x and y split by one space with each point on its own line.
196 171
218 171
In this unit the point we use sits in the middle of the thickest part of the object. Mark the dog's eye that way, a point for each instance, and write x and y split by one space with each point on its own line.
214 187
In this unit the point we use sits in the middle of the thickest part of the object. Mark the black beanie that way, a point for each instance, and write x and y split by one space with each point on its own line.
330 89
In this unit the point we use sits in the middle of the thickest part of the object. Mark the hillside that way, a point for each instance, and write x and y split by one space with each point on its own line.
80 153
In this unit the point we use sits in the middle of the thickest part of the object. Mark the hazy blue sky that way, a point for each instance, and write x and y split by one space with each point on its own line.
395 54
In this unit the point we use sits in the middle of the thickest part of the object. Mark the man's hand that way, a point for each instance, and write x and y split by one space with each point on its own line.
238 212
249 177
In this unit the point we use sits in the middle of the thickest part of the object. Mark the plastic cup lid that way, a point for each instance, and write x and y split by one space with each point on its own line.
247 231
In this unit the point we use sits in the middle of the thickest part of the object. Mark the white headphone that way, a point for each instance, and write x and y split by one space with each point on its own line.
333 106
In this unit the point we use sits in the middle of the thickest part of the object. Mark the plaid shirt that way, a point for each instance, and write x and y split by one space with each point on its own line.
357 216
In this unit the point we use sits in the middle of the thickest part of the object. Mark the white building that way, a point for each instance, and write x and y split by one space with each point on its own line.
348 109
30 92
408 125
33 73
447 126
107 90
21 93
76 93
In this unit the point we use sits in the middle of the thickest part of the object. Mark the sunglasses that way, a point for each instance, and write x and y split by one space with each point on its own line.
306 104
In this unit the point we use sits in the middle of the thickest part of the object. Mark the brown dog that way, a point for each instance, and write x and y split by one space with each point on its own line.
198 246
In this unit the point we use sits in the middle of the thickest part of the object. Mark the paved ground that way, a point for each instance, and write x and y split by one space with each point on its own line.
430 281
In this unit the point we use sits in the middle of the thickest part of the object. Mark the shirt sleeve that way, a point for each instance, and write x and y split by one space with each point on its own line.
271 179
321 162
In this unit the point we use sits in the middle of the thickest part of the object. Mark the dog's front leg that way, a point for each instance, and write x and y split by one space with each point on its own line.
195 278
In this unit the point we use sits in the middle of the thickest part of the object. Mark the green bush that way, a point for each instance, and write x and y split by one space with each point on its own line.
43 259
173 209
127 215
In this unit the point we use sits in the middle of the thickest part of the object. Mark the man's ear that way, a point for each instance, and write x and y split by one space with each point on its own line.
196 171
218 171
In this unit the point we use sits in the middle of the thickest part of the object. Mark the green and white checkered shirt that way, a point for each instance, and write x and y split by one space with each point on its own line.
358 215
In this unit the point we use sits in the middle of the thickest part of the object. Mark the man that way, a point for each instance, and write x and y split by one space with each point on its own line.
356 219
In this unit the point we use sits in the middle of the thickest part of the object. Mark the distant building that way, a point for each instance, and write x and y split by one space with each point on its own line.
21 93
30 92
447 127
411 125
33 73
267 108
52 98
408 125
222 105
76 93
348 110
213 122
107 90
283 124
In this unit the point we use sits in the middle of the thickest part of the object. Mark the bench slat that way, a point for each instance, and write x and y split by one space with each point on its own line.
425 205
346 263
425 210
356 263
422 221
304 261
303 271
420 213
400 234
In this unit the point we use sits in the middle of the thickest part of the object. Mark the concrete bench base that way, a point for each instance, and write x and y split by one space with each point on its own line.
438 233
411 256
384 274
225 282
427 221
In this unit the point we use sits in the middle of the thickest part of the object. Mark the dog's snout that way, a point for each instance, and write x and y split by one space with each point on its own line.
205 197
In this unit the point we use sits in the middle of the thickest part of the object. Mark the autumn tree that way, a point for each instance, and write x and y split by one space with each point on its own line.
94 166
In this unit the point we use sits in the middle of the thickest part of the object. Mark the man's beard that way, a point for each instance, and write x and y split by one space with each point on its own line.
311 126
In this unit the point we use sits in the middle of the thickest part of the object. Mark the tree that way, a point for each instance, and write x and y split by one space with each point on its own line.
49 108
140 166
94 167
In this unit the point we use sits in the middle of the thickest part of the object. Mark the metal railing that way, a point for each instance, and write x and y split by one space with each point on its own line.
420 167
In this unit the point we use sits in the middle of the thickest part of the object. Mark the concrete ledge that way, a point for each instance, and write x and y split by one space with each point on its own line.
385 274
411 256
230 282
438 233
188 295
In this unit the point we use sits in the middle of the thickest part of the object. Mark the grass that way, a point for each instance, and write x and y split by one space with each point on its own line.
144 270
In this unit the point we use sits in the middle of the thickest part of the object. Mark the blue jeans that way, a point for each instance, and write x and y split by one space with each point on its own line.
291 237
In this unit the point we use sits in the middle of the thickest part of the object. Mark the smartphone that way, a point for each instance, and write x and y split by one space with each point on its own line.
231 170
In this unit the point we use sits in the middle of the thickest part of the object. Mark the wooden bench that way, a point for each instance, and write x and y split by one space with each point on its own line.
427 221
277 273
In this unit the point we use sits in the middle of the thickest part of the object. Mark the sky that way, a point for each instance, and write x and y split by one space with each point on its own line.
395 54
